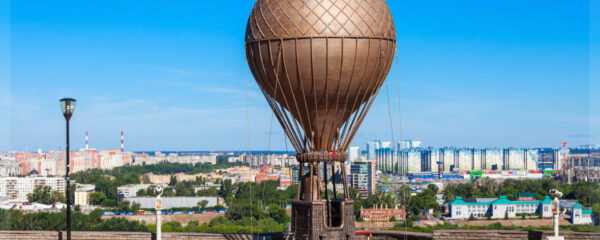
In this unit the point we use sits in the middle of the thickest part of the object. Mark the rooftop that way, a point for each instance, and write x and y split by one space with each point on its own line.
501 200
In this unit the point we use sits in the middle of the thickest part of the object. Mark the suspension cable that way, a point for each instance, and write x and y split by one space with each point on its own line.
387 93
248 151
401 159
401 147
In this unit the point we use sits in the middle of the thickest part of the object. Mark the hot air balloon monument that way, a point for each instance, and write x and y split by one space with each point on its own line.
320 65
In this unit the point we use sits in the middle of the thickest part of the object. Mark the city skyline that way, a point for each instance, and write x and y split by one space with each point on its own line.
469 76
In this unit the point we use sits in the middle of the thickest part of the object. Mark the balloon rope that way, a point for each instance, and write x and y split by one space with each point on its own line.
401 159
248 152
387 93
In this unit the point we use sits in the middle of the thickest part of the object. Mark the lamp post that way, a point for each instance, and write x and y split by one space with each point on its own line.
67 106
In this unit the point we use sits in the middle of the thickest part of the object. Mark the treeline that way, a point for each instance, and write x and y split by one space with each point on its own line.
224 225
172 168
46 221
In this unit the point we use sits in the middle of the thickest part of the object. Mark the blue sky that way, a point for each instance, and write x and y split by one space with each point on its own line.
172 75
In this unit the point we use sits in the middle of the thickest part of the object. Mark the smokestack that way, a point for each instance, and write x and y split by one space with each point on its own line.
86 141
122 149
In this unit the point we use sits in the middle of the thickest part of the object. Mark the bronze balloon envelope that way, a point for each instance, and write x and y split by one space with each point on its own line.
320 64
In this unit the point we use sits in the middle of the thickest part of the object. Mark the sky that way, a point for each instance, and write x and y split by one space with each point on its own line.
172 75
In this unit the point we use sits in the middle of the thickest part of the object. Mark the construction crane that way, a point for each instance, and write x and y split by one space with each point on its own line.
565 168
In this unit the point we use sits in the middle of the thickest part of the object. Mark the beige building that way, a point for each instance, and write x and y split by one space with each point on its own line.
83 194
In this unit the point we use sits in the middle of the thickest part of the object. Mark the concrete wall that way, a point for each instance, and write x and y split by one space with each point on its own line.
508 235
184 219
53 235
364 235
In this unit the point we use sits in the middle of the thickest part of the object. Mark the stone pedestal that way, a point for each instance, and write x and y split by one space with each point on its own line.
320 220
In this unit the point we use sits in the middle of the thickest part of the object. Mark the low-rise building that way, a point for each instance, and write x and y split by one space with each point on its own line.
83 194
174 202
497 208
382 214
580 215
131 190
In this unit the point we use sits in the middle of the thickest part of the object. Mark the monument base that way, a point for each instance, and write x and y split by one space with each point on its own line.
319 220
555 238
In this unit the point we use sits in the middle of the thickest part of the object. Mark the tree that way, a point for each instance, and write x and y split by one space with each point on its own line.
433 188
278 213
146 179
168 192
97 198
172 181
40 194
392 219
135 206
124 206
202 204
109 203
56 196
596 210
200 180
506 215
211 192
226 188
45 195
472 217
141 193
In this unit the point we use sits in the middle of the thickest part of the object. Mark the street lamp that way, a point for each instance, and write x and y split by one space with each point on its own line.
67 106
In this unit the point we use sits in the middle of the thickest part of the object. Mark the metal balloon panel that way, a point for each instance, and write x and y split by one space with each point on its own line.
320 88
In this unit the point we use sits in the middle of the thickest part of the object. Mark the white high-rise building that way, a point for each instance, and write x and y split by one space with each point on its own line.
354 153
372 148
407 144
17 188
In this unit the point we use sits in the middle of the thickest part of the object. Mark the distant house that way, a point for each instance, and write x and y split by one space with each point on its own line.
580 215
497 208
